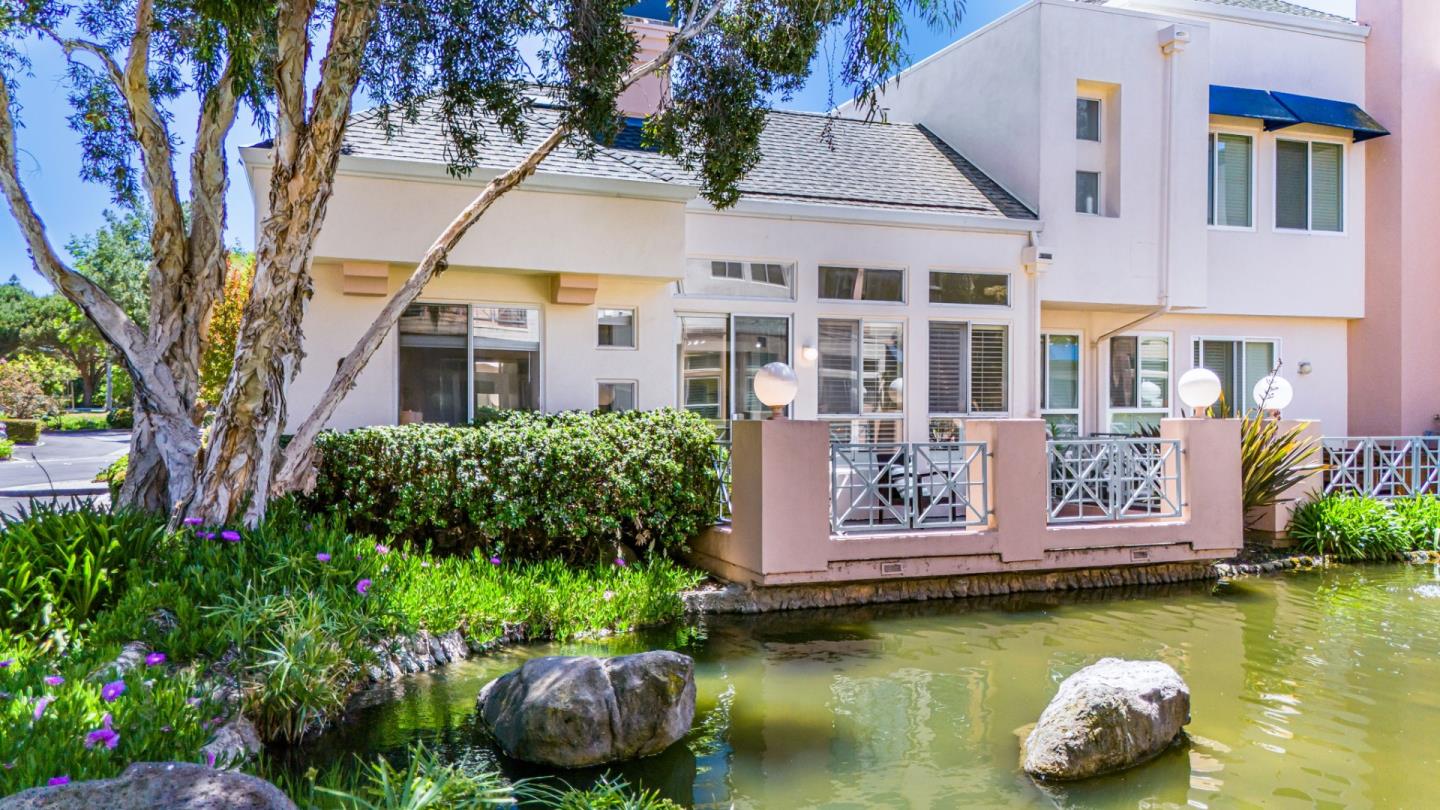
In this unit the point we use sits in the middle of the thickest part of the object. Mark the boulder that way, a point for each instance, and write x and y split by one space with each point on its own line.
1107 717
234 743
158 786
578 712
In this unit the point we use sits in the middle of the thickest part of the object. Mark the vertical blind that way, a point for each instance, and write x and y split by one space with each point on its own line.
947 366
1292 184
969 366
989 358
839 366
1325 187
1230 180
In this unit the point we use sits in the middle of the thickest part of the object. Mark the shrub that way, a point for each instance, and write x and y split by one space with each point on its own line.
1419 518
21 394
23 431
567 485
114 475
1272 460
67 422
1348 527
120 418
7 449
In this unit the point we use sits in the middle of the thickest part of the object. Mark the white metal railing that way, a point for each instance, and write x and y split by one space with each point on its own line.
1110 479
1381 466
724 471
900 485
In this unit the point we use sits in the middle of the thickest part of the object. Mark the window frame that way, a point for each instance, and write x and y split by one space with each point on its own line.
726 391
900 417
1110 410
860 268
1009 288
970 324
1079 410
1213 155
677 288
634 328
1099 119
1099 193
470 307
1275 342
1309 229
634 390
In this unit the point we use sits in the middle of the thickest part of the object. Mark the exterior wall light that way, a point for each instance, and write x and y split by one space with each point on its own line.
1273 393
775 386
1305 367
1199 388
809 353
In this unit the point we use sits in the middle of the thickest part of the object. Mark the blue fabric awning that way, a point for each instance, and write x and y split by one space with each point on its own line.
650 10
1245 102
1325 112
1280 110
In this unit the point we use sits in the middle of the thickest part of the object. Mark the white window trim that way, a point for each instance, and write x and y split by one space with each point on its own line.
1109 411
969 369
1099 194
792 262
1099 120
1009 289
1254 179
728 400
1310 186
1278 343
617 381
860 284
634 328
1079 410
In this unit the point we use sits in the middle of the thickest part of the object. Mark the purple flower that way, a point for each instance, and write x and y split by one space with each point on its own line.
494 560
210 758
230 536
362 586
6 663
193 521
194 702
425 564
57 781
620 561
53 680
110 691
322 557
154 659
106 736
382 549
41 704
166 729
205 535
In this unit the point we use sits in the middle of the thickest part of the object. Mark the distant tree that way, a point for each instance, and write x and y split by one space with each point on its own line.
54 374
14 301
117 257
58 329
225 328
21 395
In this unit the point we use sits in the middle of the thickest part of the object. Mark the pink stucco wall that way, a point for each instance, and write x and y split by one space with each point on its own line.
780 534
1394 384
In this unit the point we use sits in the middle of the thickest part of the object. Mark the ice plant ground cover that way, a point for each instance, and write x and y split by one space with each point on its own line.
287 612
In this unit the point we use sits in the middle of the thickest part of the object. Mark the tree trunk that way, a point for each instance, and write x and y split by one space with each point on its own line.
146 484
87 390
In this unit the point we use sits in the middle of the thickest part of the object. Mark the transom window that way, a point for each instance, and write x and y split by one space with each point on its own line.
1139 393
1239 364
1309 186
862 284
1231 165
862 385
979 289
731 278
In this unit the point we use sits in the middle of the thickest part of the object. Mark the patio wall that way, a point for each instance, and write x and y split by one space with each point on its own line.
780 533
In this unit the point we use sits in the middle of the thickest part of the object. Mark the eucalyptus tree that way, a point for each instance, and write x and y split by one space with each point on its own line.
473 63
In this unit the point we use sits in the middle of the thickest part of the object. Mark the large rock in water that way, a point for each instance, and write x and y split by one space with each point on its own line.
1107 717
577 712
158 786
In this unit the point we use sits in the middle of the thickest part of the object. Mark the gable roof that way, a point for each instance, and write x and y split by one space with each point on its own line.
805 157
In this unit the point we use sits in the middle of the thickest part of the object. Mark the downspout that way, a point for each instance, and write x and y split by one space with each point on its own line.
1173 39
1032 291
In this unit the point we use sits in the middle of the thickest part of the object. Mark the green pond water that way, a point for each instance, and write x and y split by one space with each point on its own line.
1315 689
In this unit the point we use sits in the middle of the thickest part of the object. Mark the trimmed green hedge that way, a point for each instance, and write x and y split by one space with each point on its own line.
23 431
568 485
120 419
1354 527
75 421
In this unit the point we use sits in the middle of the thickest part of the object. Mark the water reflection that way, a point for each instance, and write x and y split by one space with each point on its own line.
1311 689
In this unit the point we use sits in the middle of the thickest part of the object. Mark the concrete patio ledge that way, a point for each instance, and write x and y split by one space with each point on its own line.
49 489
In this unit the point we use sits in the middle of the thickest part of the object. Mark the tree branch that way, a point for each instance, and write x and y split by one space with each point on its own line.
293 47
209 178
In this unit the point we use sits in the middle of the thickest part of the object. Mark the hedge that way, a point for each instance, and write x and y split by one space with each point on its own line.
569 485
23 431
1356 527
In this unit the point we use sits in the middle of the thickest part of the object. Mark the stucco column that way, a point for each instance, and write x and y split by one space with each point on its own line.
1018 477
1210 480
780 496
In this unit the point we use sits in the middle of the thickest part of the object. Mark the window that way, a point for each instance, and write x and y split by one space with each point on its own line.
616 328
433 377
969 374
1087 192
862 284
1231 161
615 395
1139 382
506 347
1309 186
861 367
981 289
1239 364
1087 119
737 279
1060 384
711 346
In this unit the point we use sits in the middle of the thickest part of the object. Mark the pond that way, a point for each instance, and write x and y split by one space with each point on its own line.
1310 689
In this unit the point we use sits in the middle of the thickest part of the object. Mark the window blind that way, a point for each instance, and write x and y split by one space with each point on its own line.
947 367
1219 357
1292 184
839 366
1325 166
989 359
1232 180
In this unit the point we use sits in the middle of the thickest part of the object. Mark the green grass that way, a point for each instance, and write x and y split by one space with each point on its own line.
70 422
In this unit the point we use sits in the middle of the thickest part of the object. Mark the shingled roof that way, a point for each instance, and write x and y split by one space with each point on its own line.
806 157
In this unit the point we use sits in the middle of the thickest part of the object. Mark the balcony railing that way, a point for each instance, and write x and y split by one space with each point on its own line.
723 477
1113 479
1382 466
893 486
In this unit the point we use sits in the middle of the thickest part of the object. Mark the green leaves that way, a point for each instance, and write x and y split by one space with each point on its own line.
1356 527
1272 460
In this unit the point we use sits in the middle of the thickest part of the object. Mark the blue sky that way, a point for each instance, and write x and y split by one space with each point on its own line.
50 156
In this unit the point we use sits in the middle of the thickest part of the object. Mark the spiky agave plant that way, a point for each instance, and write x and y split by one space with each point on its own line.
1273 459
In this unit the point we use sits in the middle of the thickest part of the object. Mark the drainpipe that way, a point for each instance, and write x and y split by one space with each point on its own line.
1173 39
1034 266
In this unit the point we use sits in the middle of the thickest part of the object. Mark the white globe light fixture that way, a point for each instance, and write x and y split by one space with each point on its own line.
1199 388
896 390
775 386
1273 393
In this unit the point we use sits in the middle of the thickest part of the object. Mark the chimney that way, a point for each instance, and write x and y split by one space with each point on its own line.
650 24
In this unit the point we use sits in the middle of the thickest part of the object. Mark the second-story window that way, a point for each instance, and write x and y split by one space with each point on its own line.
1087 192
1230 179
1309 186
1087 119
862 284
